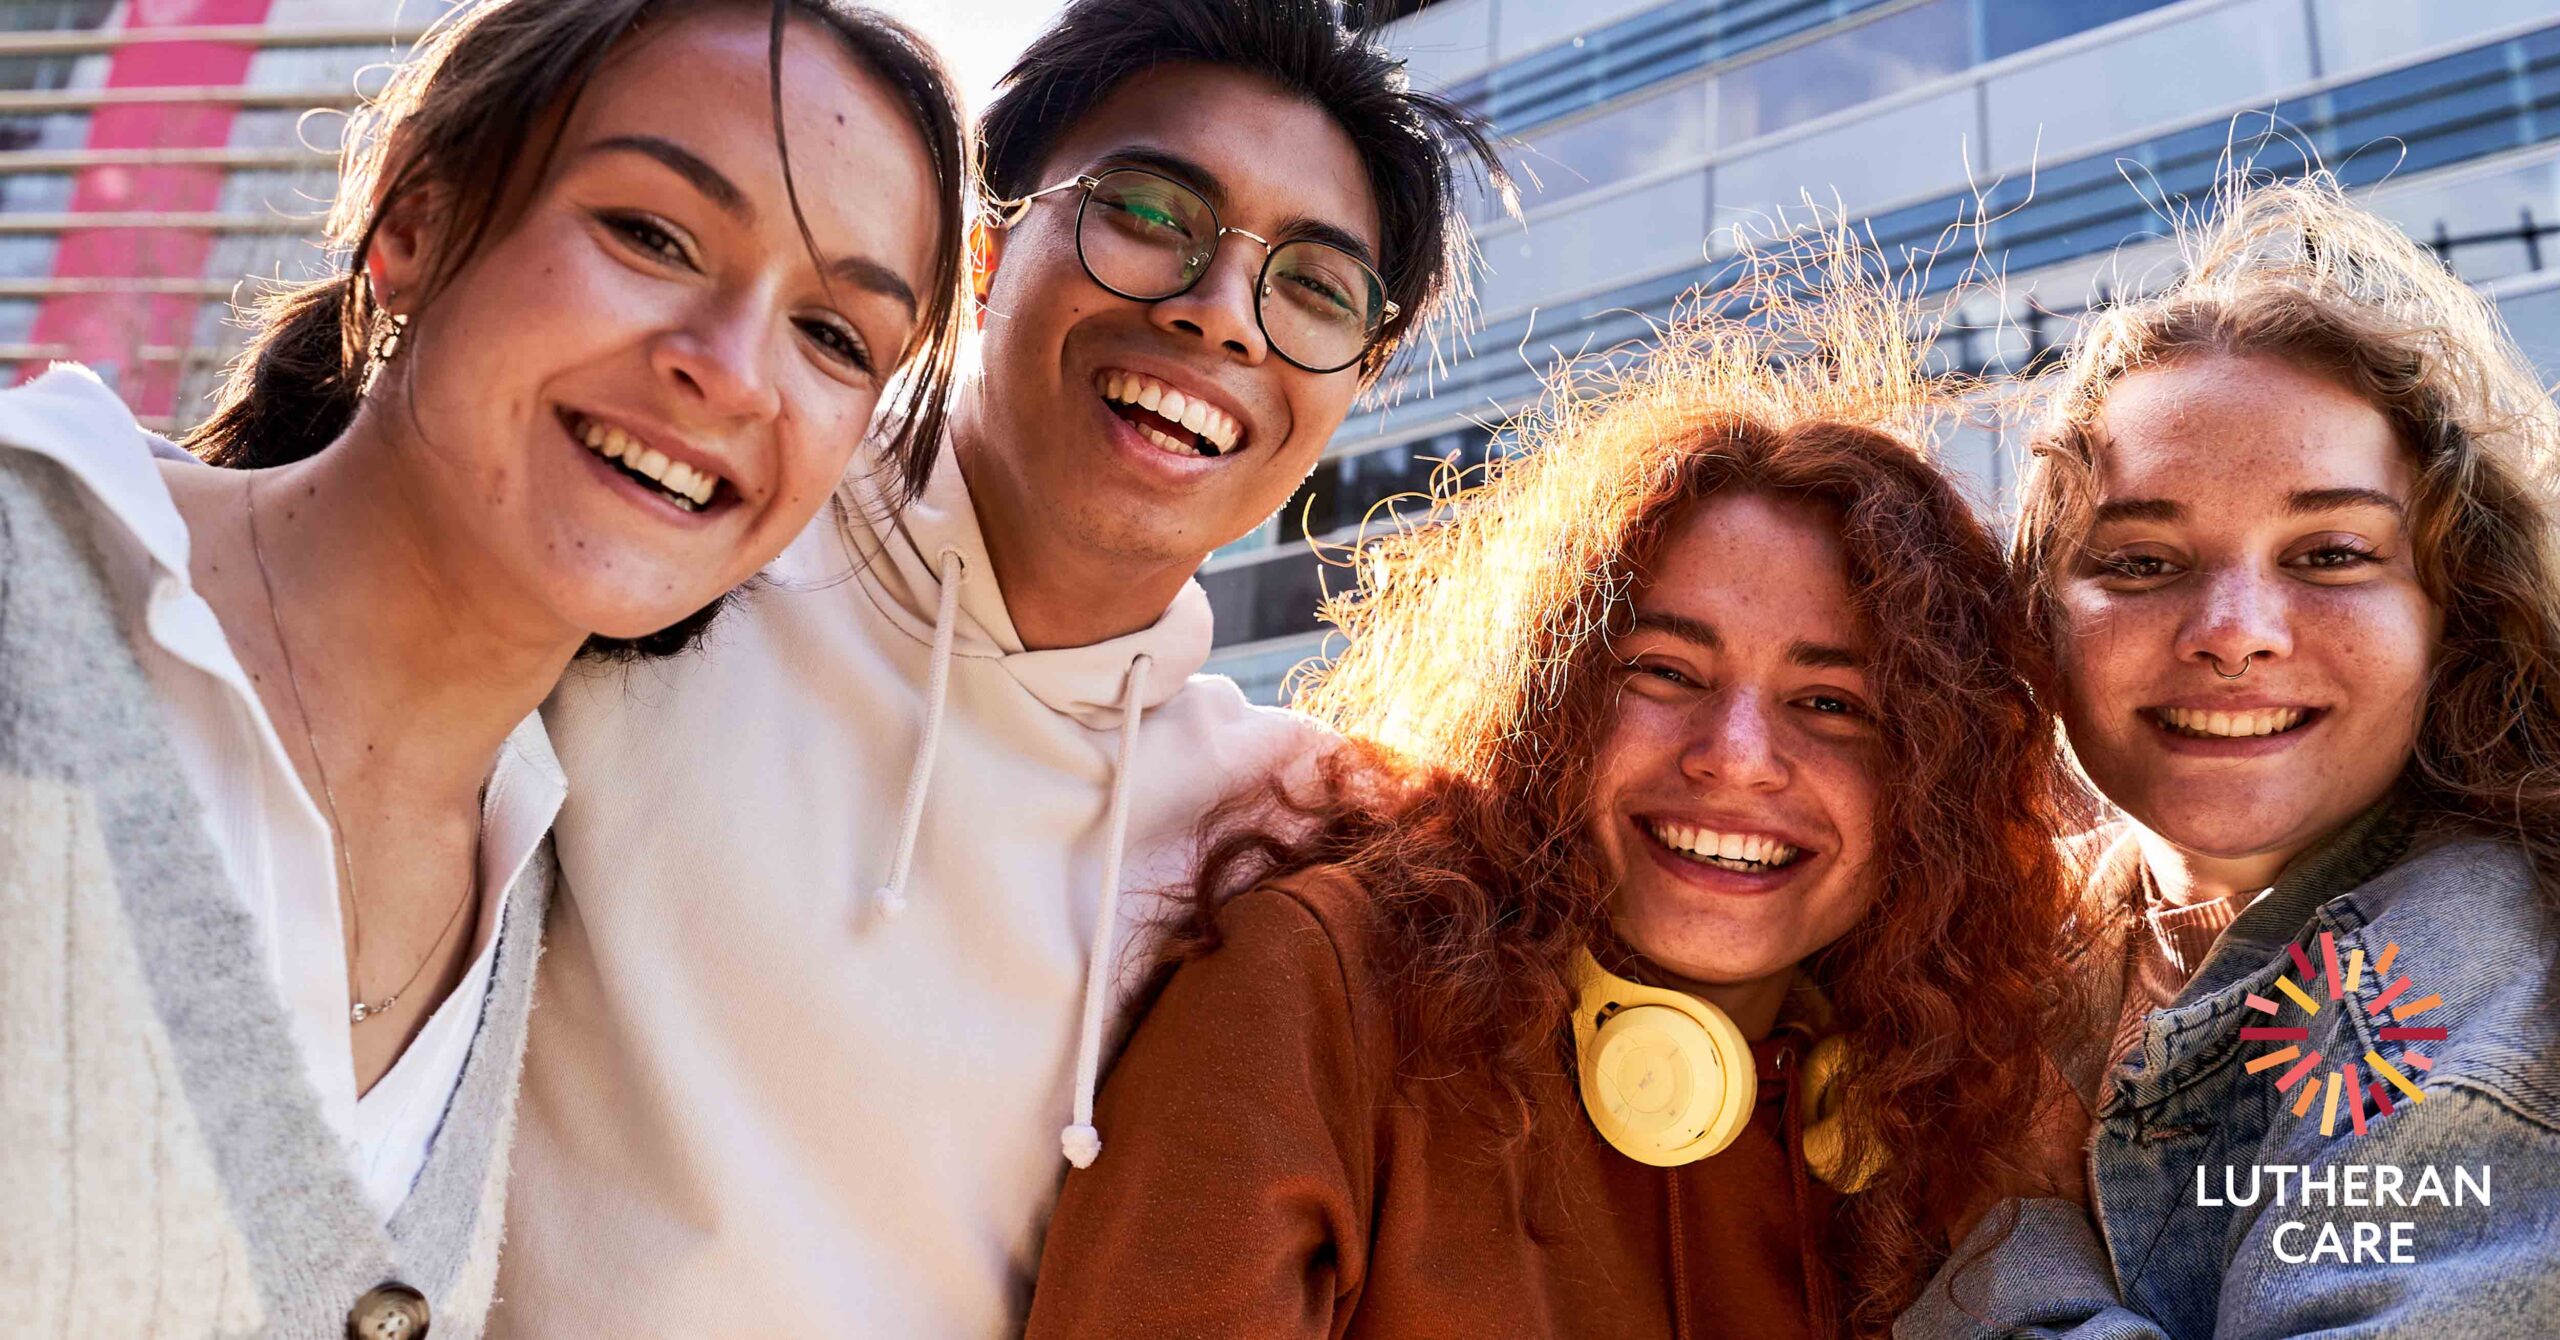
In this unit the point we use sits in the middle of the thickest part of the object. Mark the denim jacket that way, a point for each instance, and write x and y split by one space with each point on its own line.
2173 1256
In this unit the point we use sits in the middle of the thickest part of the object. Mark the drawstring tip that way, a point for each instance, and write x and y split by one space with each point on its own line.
888 900
1083 1145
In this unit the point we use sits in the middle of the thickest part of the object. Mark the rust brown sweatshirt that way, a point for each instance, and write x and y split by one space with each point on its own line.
1264 1175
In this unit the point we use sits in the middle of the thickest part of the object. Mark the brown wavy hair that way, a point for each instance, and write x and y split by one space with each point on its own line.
1479 677
2297 271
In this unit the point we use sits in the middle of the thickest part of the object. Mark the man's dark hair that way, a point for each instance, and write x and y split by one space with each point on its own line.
1419 148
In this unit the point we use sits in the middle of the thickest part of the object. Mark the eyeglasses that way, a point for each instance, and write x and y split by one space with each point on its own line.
1147 238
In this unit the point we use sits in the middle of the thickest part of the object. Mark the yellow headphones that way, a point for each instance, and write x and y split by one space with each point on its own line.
1668 1079
1666 1076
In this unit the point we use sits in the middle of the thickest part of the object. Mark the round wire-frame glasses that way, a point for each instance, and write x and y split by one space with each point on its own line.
1335 308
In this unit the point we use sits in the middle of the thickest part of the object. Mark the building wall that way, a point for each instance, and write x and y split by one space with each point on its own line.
160 158
2055 127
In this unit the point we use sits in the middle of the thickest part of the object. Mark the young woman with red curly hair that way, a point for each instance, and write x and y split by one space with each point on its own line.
1674 960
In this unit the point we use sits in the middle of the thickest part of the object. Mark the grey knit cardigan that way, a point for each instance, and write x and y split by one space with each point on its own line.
164 1166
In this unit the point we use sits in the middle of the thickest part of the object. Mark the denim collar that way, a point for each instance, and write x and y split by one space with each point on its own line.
2369 844
2187 1043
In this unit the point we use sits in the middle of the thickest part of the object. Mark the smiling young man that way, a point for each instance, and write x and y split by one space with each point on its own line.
841 944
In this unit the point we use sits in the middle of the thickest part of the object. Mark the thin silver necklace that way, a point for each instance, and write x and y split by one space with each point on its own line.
358 1011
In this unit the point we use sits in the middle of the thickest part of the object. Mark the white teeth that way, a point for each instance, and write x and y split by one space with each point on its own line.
689 488
2232 725
1165 441
1196 415
1739 849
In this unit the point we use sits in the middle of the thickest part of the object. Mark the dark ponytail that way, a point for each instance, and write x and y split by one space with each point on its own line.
293 392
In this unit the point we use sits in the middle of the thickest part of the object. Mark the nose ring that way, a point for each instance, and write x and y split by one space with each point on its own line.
2217 665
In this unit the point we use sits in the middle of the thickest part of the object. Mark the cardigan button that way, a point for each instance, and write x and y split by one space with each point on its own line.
392 1311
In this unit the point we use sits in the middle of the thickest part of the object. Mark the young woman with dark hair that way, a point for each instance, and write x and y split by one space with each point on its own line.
2292 537
274 799
1674 960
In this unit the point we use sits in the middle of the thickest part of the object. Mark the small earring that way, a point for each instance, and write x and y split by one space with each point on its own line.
385 347
386 342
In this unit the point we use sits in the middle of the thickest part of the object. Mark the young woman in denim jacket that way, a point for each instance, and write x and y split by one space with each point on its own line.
2292 531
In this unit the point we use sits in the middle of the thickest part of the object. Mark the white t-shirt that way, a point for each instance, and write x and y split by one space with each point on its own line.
273 841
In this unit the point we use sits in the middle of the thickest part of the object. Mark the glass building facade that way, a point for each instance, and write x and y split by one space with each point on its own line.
160 158
2058 129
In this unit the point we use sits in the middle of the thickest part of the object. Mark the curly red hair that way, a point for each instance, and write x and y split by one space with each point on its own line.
1477 681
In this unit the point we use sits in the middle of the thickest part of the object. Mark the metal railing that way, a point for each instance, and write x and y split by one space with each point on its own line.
50 101
57 286
179 220
72 160
93 41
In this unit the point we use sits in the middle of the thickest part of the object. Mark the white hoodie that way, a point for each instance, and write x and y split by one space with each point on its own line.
761 1097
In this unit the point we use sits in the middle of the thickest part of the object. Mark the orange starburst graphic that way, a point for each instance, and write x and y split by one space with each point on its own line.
2356 1085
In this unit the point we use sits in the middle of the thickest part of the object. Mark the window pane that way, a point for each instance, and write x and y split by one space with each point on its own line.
35 192
2359 33
2478 223
2425 116
1344 491
1641 137
24 256
2012 26
1915 148
2535 319
1272 598
1633 233
1856 65
2161 75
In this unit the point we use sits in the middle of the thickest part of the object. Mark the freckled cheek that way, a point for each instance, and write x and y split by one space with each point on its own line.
2377 640
2111 648
1844 780
1640 752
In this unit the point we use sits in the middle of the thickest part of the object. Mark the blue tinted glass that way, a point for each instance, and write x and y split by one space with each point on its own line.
1638 51
1272 598
1859 63
2424 116
2010 26
2541 59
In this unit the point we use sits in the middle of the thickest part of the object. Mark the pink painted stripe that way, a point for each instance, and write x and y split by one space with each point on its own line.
2419 1059
110 329
2329 960
2355 1084
2263 1005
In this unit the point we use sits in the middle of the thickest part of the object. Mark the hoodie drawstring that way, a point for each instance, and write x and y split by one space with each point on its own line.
1679 1260
1081 1142
1817 1280
890 898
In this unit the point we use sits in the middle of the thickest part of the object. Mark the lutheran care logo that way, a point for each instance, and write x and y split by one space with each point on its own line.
2356 1085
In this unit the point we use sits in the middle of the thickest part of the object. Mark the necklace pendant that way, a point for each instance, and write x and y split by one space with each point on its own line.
356 1015
362 1011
